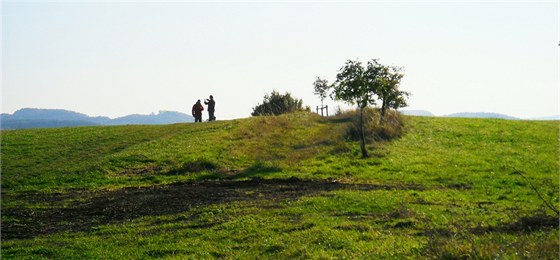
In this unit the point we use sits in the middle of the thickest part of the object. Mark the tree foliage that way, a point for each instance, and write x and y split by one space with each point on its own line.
321 88
385 82
350 85
276 104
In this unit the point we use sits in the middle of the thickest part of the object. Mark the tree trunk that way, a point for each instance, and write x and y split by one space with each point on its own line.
383 111
362 134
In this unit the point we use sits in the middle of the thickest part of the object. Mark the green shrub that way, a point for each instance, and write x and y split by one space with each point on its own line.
373 130
195 166
276 104
392 128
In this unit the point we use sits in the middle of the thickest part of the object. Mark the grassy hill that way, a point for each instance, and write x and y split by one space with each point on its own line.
290 186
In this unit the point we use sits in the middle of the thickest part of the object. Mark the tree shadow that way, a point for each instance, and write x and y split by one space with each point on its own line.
341 119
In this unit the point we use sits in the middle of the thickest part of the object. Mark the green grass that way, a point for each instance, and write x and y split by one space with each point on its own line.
290 186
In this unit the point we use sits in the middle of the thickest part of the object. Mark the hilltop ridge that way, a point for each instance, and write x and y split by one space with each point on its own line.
288 186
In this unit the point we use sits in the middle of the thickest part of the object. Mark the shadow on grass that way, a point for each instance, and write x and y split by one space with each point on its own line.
341 119
198 165
90 209
524 225
258 170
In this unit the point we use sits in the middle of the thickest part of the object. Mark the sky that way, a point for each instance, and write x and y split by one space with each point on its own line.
109 58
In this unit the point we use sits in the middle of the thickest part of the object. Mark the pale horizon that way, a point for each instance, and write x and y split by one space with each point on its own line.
119 58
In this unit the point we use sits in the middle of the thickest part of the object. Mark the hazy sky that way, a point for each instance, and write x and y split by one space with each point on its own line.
118 58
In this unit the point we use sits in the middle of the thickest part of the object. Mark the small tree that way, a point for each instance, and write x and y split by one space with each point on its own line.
276 104
385 81
351 86
363 86
321 88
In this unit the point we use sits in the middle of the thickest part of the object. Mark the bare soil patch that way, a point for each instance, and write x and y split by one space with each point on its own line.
88 209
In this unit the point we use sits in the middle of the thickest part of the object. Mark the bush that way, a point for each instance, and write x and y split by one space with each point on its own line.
195 166
373 130
276 104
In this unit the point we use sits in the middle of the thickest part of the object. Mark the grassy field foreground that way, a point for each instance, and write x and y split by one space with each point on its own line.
290 186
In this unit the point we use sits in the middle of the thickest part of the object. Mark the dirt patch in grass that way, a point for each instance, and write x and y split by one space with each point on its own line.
141 171
198 165
85 209
524 224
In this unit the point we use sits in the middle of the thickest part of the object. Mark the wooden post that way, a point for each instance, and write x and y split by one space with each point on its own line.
323 108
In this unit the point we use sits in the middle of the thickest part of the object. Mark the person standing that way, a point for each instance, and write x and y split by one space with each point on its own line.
197 111
211 108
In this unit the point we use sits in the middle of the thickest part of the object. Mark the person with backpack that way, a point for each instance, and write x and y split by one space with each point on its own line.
211 108
197 111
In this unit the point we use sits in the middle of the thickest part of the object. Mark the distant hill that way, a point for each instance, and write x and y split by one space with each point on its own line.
481 115
476 115
40 123
555 117
162 118
46 118
417 113
49 114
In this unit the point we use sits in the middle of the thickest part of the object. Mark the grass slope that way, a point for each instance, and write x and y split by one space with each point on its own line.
289 186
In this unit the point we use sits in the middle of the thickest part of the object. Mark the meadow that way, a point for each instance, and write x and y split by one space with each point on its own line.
289 186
